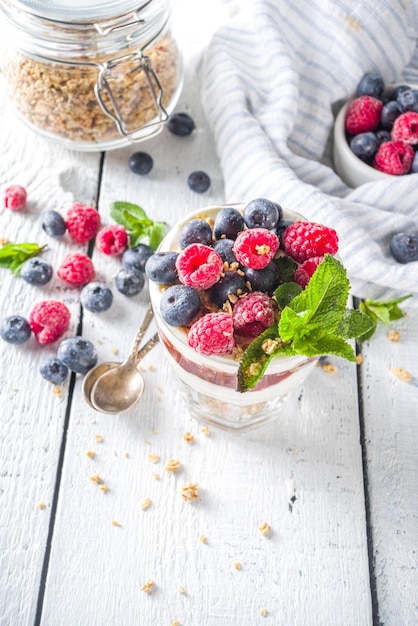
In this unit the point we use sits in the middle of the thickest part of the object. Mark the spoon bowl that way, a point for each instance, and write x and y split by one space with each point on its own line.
114 387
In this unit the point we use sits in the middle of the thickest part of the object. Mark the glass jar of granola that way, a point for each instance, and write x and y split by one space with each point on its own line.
94 76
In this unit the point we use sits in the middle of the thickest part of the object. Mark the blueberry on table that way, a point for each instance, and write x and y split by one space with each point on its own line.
404 247
96 297
137 257
54 370
179 305
53 224
195 231
364 145
228 223
129 281
180 124
36 272
161 268
15 329
371 84
78 354
141 163
198 181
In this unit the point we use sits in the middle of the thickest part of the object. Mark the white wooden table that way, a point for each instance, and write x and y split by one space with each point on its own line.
335 476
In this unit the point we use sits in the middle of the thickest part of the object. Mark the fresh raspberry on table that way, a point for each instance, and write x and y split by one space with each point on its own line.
252 314
15 198
305 271
212 334
256 247
363 115
405 128
49 320
82 222
199 266
303 240
76 269
112 239
394 157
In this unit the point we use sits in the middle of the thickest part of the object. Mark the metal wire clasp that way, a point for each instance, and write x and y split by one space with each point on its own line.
102 87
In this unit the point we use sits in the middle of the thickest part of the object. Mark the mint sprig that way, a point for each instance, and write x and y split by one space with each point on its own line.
13 255
140 228
313 323
384 311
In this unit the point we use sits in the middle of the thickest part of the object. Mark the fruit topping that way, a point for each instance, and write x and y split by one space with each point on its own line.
303 240
212 334
252 314
256 247
179 305
199 266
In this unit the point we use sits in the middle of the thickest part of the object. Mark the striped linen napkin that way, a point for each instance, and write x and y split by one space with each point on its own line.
274 76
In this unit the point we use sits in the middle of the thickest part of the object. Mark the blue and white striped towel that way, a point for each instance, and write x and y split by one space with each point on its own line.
272 76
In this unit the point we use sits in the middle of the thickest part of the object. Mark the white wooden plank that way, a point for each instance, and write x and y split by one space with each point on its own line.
391 430
31 416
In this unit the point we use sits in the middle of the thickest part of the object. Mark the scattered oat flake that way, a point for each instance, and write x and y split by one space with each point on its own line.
264 529
359 358
172 465
190 492
399 372
236 565
156 475
3 241
104 488
329 368
115 523
393 335
148 586
56 390
202 539
126 455
145 503
176 623
90 454
154 458
263 612
181 590
96 479
204 430
41 506
150 368
188 437
98 438
115 350
155 431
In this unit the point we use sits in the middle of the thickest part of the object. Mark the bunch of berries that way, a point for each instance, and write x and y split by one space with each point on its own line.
383 131
221 281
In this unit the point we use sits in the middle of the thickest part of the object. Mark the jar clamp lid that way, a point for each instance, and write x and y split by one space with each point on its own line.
108 36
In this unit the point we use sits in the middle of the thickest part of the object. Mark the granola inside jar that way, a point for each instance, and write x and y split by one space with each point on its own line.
93 77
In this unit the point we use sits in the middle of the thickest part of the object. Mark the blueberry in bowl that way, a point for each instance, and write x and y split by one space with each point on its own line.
376 132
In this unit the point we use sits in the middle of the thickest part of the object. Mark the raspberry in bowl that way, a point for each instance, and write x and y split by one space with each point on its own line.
213 298
376 132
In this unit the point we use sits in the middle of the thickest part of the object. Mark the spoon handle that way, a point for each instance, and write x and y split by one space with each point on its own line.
140 334
147 347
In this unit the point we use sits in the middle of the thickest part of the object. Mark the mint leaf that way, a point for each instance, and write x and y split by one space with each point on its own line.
354 324
257 356
140 228
286 267
324 299
384 311
13 255
286 292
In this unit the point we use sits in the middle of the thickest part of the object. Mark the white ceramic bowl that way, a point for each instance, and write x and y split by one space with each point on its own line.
352 170
208 384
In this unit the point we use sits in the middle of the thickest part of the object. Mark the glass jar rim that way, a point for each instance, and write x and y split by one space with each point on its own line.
77 11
